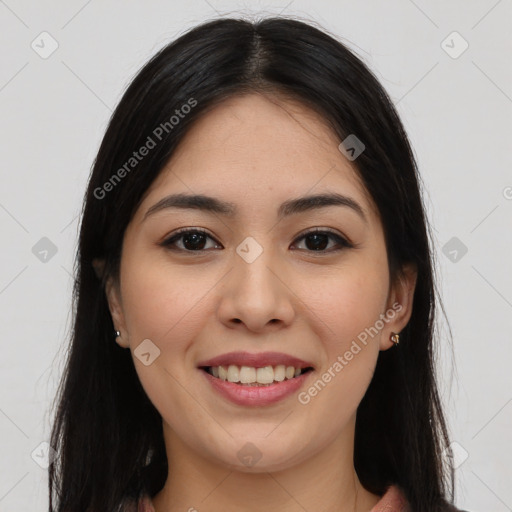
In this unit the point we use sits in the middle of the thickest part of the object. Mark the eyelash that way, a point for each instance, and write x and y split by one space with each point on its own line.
342 242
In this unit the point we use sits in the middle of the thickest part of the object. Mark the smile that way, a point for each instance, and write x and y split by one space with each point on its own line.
254 393
252 376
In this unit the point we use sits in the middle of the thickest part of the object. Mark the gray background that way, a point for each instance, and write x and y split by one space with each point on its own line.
457 110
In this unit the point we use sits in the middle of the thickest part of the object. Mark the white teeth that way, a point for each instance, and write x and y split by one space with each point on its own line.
265 375
223 373
279 372
233 373
247 375
251 375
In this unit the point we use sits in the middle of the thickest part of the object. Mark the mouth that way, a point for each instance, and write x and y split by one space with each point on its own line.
255 376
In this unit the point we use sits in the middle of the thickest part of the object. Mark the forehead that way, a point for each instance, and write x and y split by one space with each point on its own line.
254 145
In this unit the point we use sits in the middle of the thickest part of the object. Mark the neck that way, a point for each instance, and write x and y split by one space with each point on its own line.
326 481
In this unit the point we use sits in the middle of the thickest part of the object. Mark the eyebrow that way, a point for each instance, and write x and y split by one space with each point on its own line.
289 207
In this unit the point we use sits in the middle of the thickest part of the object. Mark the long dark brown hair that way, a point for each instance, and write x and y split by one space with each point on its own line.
107 433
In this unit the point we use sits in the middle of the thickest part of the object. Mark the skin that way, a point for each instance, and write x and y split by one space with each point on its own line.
257 151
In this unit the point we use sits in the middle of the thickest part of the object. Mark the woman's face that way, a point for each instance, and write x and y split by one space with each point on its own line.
257 281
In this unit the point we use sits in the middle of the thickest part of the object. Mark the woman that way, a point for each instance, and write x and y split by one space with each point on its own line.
254 235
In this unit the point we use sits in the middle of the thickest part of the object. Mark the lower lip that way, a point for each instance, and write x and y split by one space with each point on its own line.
256 395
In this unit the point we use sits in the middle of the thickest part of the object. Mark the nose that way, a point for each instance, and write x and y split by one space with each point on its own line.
256 296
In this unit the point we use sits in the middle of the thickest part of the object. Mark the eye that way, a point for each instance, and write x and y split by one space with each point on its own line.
195 240
317 240
191 239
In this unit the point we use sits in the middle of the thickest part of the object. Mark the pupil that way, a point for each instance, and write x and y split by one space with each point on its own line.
194 237
318 244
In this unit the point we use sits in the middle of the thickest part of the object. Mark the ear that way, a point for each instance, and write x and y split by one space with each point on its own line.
113 293
399 305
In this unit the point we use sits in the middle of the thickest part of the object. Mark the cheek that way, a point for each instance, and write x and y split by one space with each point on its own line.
167 306
163 302
348 302
350 352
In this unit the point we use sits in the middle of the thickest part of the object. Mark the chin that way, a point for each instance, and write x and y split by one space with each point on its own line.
260 455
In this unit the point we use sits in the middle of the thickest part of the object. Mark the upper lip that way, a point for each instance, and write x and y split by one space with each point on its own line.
256 360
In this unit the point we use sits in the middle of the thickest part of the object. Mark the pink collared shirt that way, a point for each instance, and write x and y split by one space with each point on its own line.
392 501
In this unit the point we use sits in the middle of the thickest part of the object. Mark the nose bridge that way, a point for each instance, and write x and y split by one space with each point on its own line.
253 262
254 294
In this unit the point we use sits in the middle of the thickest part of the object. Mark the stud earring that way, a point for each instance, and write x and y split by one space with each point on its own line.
395 338
117 334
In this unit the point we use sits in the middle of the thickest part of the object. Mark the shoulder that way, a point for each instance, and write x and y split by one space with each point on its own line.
394 500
